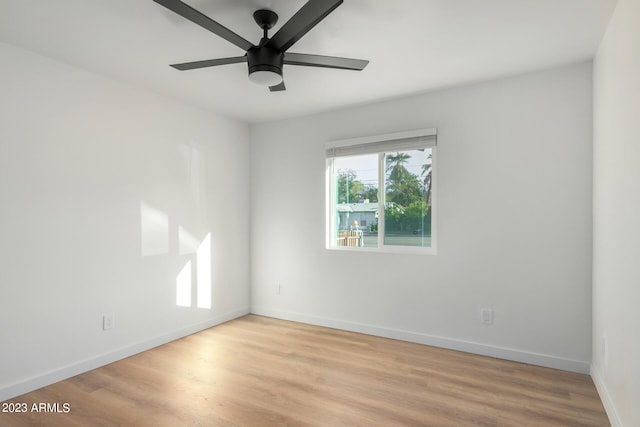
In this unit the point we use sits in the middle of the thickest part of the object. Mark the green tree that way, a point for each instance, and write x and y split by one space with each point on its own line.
393 217
415 215
427 175
350 189
409 195
371 193
402 187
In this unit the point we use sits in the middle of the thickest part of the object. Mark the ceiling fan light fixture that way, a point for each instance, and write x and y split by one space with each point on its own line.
266 77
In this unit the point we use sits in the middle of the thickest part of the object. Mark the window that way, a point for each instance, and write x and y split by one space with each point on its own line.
380 192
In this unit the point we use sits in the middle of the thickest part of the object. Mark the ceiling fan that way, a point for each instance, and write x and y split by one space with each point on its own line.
266 59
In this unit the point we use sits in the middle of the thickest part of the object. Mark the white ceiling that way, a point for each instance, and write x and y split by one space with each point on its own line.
412 45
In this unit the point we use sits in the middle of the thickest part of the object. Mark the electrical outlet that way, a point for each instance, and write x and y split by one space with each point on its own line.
107 322
486 316
605 352
278 289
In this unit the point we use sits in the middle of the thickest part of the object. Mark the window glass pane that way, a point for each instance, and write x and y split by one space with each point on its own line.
356 203
407 216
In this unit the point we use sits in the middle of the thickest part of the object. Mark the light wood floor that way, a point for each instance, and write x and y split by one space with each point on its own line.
258 371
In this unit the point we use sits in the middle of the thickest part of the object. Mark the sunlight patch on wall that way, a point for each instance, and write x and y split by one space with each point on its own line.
187 243
154 226
185 280
203 272
183 286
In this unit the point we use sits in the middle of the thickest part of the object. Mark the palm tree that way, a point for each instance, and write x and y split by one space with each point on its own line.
402 187
400 159
397 175
426 174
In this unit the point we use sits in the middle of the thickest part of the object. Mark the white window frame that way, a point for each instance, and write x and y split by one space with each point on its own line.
400 141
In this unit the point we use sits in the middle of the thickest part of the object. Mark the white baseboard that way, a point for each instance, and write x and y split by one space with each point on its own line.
35 382
607 401
531 358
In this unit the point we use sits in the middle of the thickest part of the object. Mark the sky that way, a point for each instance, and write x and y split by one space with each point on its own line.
366 166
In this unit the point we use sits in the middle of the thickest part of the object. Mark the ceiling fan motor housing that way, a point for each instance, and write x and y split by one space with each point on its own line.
262 58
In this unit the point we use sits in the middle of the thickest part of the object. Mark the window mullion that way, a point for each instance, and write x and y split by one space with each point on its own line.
381 198
331 199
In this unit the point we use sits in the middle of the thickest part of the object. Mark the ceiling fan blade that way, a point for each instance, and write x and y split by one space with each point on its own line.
324 61
209 63
205 22
304 20
277 88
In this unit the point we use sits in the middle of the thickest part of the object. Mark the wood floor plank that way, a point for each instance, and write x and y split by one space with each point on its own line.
259 371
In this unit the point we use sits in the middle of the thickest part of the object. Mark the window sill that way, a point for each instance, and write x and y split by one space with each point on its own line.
402 250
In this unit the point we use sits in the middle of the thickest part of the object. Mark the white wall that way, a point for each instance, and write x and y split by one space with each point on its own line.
96 180
514 222
616 216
